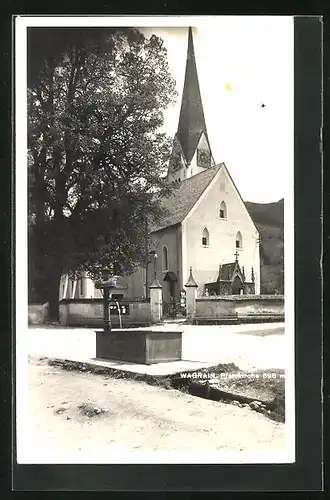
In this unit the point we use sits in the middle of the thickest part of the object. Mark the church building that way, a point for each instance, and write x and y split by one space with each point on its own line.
205 226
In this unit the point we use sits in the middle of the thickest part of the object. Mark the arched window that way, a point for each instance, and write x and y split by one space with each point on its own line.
165 259
239 240
223 210
205 237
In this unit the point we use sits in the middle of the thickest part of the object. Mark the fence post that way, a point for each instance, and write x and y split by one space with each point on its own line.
191 286
155 290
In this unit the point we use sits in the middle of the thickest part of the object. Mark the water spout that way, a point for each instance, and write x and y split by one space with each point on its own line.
119 313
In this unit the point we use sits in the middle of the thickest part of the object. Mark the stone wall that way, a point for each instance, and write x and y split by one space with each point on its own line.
89 312
240 306
37 314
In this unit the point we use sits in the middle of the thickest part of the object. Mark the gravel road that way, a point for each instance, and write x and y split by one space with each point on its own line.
137 416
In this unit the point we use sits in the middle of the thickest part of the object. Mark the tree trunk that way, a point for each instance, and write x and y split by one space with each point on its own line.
37 277
45 270
52 294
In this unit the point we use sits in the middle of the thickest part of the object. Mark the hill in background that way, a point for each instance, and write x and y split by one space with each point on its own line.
269 220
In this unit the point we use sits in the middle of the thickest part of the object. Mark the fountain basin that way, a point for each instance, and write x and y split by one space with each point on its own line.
139 346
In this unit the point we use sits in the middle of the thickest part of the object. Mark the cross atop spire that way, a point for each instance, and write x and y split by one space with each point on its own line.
191 121
236 254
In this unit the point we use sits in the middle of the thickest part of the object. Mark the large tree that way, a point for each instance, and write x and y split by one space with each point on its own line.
95 154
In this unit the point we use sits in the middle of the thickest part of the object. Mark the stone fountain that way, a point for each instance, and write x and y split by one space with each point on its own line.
135 345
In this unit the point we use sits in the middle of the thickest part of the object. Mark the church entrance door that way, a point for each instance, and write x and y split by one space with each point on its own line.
237 286
171 301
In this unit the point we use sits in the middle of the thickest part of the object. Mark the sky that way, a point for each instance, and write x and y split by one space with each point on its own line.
242 63
246 77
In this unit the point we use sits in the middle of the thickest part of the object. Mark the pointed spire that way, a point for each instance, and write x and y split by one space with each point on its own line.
155 284
243 273
191 121
252 274
191 282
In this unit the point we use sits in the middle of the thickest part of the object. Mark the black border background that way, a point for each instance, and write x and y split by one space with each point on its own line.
305 475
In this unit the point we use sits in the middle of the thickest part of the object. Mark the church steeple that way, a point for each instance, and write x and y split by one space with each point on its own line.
191 152
191 121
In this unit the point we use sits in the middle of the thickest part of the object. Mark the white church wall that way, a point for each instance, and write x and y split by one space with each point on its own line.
69 288
180 258
63 288
136 283
89 288
222 234
74 289
169 238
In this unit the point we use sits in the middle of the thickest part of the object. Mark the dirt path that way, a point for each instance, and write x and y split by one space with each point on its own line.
138 417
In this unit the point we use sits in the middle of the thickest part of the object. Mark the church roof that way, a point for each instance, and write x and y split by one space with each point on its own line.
178 205
226 271
191 121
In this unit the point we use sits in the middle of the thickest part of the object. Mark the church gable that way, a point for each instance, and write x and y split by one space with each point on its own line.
177 164
203 152
229 192
177 159
224 196
222 201
202 157
221 211
184 198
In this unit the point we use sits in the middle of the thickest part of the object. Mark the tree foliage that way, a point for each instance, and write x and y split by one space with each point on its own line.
95 153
